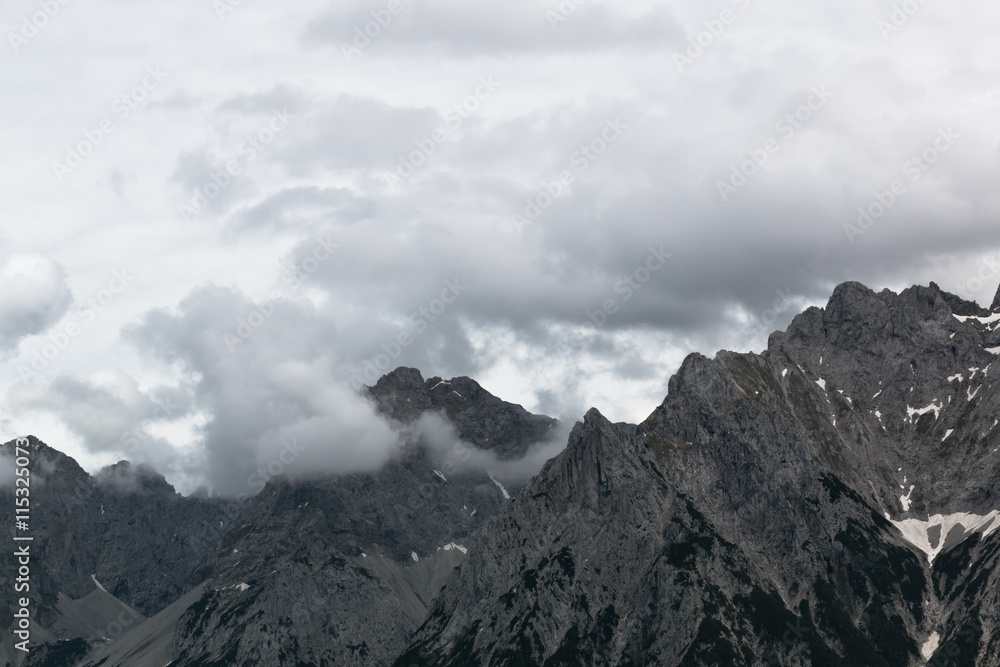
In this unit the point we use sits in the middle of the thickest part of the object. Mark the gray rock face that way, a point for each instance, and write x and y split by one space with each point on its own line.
126 527
480 418
341 570
753 524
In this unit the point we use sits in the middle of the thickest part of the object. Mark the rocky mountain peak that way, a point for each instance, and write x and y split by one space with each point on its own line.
599 458
127 478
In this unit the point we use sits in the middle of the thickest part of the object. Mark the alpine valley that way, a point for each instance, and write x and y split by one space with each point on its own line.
831 501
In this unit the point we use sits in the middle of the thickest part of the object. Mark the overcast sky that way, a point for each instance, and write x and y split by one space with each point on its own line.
217 215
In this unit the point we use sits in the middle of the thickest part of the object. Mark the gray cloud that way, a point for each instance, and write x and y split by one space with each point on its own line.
111 413
281 386
450 452
462 29
34 295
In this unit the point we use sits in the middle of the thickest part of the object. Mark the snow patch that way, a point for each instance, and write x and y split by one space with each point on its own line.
905 500
948 434
506 495
452 545
931 645
992 350
457 394
822 383
995 317
959 377
915 531
877 395
242 588
441 475
442 382
414 556
972 394
94 577
784 372
933 407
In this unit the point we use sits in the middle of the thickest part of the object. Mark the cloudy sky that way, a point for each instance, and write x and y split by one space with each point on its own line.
219 217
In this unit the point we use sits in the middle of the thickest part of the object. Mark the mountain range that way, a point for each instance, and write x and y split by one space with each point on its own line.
832 500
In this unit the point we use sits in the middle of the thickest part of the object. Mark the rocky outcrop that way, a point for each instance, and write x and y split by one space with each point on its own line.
831 502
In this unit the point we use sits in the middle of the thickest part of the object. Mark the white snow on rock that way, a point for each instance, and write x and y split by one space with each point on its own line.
94 577
784 372
992 350
822 383
877 395
915 531
442 382
441 475
502 490
995 317
972 394
452 545
242 587
457 394
948 434
414 556
959 377
931 645
905 500
933 407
